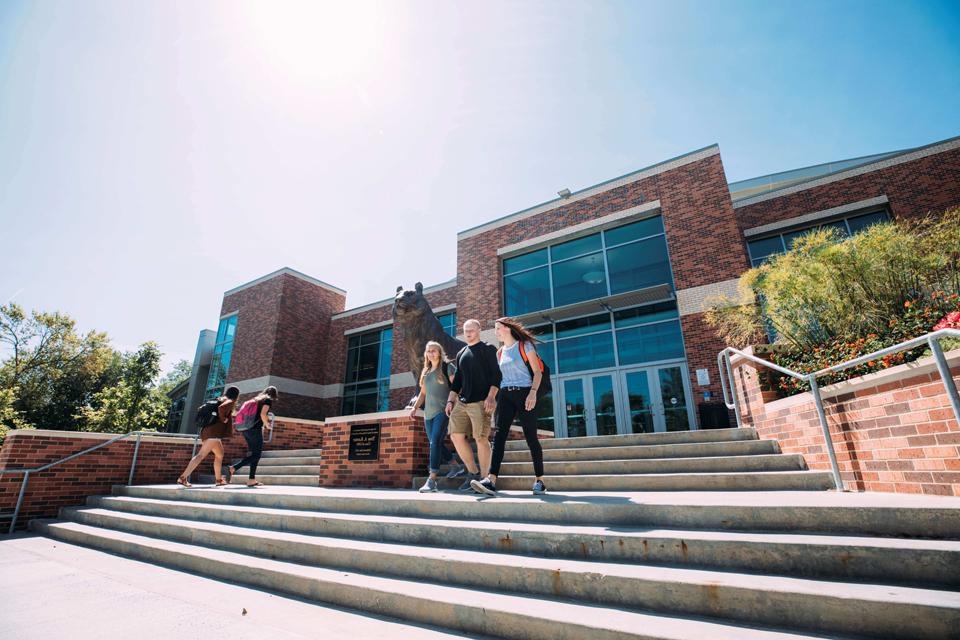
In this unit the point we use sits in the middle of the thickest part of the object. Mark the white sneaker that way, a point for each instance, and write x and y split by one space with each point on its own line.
430 486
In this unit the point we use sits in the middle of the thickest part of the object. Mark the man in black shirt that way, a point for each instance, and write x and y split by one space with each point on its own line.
473 396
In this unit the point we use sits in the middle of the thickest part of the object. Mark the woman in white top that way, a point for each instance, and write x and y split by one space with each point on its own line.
522 375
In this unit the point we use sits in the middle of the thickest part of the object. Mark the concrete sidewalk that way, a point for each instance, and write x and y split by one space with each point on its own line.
53 590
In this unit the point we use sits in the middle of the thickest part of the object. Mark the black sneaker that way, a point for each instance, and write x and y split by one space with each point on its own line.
471 477
484 486
539 488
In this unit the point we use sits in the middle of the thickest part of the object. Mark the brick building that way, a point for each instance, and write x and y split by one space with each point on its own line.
613 277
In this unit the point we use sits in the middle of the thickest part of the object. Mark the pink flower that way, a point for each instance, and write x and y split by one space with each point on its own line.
949 321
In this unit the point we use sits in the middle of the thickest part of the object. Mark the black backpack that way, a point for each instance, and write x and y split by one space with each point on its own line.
207 413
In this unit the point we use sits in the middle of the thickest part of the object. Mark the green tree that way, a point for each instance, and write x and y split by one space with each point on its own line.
134 402
181 370
53 367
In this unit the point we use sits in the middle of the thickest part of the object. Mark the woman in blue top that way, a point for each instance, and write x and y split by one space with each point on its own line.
517 398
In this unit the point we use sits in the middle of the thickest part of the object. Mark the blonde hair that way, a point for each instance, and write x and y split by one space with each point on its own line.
427 368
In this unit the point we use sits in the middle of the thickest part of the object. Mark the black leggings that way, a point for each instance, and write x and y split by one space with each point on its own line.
510 405
254 438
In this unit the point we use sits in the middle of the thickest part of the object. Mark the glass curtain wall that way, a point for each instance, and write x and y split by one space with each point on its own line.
763 249
220 364
367 383
627 258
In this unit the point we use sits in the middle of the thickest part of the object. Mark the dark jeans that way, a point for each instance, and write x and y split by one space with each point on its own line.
436 432
254 438
509 405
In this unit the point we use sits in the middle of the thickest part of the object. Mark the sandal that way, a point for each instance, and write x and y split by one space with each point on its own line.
255 484
221 482
229 474
182 481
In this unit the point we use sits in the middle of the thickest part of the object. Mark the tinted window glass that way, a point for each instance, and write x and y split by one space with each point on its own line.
570 328
586 352
579 279
635 231
639 265
576 247
860 223
526 261
646 314
525 292
650 343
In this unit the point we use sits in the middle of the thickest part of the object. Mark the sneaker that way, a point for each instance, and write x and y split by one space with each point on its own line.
466 483
430 486
456 471
539 488
484 486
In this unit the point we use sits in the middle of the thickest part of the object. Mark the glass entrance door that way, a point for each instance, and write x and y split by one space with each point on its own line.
657 399
589 406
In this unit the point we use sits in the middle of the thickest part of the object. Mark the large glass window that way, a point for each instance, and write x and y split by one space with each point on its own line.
626 258
761 250
449 323
367 381
222 352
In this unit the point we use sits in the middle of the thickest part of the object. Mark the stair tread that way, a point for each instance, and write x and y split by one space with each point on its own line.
639 572
571 616
519 528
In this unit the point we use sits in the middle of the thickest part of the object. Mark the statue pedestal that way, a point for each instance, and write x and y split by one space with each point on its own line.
385 449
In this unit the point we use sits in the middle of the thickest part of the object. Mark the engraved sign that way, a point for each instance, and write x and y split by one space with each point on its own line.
364 442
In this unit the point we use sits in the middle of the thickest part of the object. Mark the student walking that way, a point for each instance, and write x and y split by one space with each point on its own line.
434 389
472 398
219 425
250 421
522 376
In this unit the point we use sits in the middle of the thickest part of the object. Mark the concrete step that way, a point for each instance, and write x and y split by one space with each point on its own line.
480 612
775 601
741 481
827 512
293 453
714 464
635 452
287 470
303 480
285 461
883 560
637 439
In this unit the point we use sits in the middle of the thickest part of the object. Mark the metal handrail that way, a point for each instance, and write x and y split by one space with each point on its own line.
933 339
133 463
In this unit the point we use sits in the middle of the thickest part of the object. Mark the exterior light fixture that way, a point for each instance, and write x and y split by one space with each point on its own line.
564 193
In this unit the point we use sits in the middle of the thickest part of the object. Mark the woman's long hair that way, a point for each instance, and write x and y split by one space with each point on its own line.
427 367
269 392
519 332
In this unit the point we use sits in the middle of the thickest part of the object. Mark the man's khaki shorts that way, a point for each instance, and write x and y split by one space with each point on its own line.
469 419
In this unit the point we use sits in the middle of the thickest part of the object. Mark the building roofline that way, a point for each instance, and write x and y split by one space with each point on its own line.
896 157
290 272
389 301
606 185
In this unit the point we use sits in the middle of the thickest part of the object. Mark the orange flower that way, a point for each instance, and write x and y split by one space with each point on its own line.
907 304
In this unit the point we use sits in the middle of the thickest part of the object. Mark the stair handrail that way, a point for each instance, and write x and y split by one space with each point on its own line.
724 363
133 463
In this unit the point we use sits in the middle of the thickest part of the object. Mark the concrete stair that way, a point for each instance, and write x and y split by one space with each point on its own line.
717 460
579 565
291 467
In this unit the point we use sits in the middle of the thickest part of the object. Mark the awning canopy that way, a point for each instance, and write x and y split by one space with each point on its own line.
658 293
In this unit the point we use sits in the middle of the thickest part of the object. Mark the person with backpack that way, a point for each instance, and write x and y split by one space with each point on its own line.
523 382
250 421
434 388
214 418
472 398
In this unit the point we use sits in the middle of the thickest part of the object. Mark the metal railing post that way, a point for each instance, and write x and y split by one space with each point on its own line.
948 384
733 389
815 390
133 463
16 511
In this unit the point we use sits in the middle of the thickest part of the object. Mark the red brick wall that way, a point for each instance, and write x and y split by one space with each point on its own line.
404 453
159 461
702 346
899 436
257 310
914 188
301 349
70 483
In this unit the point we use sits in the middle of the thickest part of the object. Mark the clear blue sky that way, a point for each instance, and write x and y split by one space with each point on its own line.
154 154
